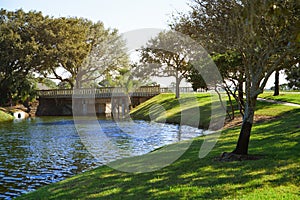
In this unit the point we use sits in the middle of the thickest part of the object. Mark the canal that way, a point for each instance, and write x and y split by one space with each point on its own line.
43 150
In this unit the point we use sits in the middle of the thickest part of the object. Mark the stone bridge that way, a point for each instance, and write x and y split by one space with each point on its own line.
106 100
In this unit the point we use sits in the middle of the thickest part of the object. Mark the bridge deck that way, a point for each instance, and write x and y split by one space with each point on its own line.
105 92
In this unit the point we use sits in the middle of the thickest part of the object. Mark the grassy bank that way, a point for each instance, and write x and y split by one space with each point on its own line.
275 176
292 97
5 116
165 108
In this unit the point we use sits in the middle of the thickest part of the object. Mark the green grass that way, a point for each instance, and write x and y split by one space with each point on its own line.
275 176
165 108
5 116
271 109
291 97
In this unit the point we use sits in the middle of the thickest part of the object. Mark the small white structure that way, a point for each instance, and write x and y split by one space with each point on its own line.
19 114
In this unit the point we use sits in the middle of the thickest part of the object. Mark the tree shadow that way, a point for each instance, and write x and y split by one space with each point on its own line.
193 178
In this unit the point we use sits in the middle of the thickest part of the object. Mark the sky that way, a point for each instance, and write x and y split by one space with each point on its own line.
124 15
128 16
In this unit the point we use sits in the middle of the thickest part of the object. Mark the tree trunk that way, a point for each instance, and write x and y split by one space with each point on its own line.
77 84
241 94
244 137
276 86
241 102
177 91
72 85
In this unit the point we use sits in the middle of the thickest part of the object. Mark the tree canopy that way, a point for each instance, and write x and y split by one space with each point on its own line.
264 33
74 51
19 49
81 51
293 77
171 54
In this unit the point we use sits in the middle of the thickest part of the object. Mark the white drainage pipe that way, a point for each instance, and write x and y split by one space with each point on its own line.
19 115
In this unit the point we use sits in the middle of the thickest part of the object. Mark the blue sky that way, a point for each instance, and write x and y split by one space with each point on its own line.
125 15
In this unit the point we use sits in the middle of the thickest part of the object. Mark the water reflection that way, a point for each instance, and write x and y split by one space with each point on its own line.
40 151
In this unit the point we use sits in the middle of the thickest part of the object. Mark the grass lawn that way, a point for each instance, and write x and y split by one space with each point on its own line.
165 108
275 176
292 97
5 117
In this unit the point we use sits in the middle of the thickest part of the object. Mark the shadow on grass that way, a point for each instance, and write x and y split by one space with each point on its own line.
191 106
193 178
204 113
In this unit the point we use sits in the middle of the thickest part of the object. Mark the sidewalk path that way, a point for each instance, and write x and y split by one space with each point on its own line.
279 102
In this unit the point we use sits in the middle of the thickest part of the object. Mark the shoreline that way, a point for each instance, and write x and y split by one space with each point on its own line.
5 116
191 177
266 122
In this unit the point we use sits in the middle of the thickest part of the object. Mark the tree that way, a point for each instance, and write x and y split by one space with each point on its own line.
19 49
67 47
108 53
293 77
73 50
276 83
47 82
229 65
265 34
129 78
82 50
196 80
167 55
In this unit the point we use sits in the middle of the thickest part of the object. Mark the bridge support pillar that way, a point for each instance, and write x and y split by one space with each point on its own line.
120 107
84 107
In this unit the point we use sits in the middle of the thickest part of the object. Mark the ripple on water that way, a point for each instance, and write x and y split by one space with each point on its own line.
45 150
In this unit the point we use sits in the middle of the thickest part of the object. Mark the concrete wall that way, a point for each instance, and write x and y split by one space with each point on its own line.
54 107
119 106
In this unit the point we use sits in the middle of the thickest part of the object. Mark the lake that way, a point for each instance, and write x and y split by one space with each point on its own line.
43 150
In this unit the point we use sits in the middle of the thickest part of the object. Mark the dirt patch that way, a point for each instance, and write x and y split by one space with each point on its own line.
237 121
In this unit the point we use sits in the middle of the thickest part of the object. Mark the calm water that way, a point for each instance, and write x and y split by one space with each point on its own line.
39 151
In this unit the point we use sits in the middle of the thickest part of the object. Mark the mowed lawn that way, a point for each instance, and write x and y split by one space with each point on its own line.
275 176
292 97
196 109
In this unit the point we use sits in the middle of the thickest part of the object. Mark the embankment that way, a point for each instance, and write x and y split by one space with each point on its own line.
4 116
274 176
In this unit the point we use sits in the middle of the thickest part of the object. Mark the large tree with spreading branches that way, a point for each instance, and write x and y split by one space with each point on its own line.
169 54
75 51
20 48
265 34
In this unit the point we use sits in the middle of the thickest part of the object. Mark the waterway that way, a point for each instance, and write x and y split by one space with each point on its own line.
43 150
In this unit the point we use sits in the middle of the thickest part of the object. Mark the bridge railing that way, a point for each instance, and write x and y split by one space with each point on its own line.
105 92
145 91
181 90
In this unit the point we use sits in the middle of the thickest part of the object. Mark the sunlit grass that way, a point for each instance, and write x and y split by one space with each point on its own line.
165 108
271 109
291 97
5 117
275 176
